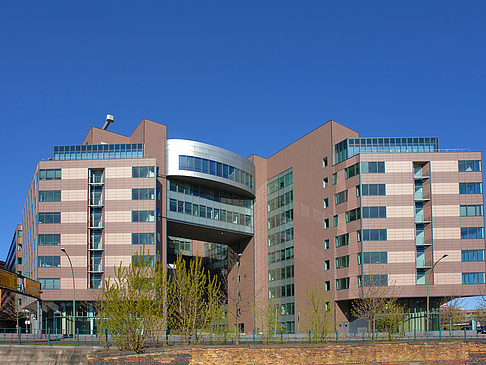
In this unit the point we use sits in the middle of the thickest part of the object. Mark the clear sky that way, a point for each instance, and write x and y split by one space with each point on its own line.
250 76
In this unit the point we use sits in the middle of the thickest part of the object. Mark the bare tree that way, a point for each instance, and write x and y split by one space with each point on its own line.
317 314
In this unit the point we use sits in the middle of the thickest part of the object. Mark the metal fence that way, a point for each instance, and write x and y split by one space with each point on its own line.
48 337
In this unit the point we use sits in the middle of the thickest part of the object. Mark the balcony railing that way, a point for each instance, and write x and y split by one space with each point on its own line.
96 179
420 195
422 263
96 200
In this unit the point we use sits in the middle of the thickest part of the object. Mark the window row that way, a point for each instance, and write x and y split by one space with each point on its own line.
471 210
281 273
49 239
372 258
281 237
472 255
143 216
374 212
143 238
98 152
351 171
342 262
49 217
143 194
50 195
50 283
473 278
284 180
373 189
280 201
353 215
472 232
373 167
49 174
198 164
143 171
281 255
49 261
281 291
469 165
374 235
282 218
470 188
373 280
210 213
205 193
341 197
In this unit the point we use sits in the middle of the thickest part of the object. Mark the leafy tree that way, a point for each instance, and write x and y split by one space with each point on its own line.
391 319
266 318
317 314
195 300
451 312
132 303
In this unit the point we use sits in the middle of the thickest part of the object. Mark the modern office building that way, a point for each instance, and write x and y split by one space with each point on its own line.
332 211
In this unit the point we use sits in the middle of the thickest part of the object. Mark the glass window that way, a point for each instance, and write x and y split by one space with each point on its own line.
49 239
141 260
373 189
325 203
50 283
143 216
326 244
375 258
324 162
375 280
341 197
325 182
373 167
145 171
472 255
342 262
335 221
342 284
374 235
473 278
49 261
173 205
469 165
326 223
342 240
49 174
471 210
327 285
49 217
334 178
353 215
327 265
470 188
50 195
143 194
472 232
374 212
351 171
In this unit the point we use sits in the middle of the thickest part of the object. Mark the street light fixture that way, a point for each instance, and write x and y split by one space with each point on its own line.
428 287
74 291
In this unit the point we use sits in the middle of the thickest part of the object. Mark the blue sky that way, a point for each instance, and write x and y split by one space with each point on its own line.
217 71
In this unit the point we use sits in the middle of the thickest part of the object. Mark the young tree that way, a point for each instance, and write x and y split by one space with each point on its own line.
392 318
132 303
317 314
377 298
451 312
266 318
195 298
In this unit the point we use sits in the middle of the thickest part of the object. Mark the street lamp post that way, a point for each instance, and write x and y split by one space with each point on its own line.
237 315
74 291
428 288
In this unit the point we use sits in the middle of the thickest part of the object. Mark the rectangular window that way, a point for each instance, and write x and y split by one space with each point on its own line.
342 240
327 285
324 162
373 167
143 194
334 178
325 182
49 217
325 203
342 262
373 189
341 197
358 191
144 171
49 239
472 233
173 205
471 210
143 215
326 245
50 195
49 261
374 235
327 265
470 188
342 284
335 221
50 174
143 238
375 280
469 165
358 236
472 278
374 212
351 171
352 215
326 223
375 257
50 283
472 255
142 261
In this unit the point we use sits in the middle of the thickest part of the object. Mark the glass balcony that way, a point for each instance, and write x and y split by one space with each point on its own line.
96 221
422 263
96 179
96 199
419 195
96 243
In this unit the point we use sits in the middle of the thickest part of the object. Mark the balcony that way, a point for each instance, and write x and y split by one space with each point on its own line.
419 195
96 200
422 263
95 222
420 241
421 218
96 180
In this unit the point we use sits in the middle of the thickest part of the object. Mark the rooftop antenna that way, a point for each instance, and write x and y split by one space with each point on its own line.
109 119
